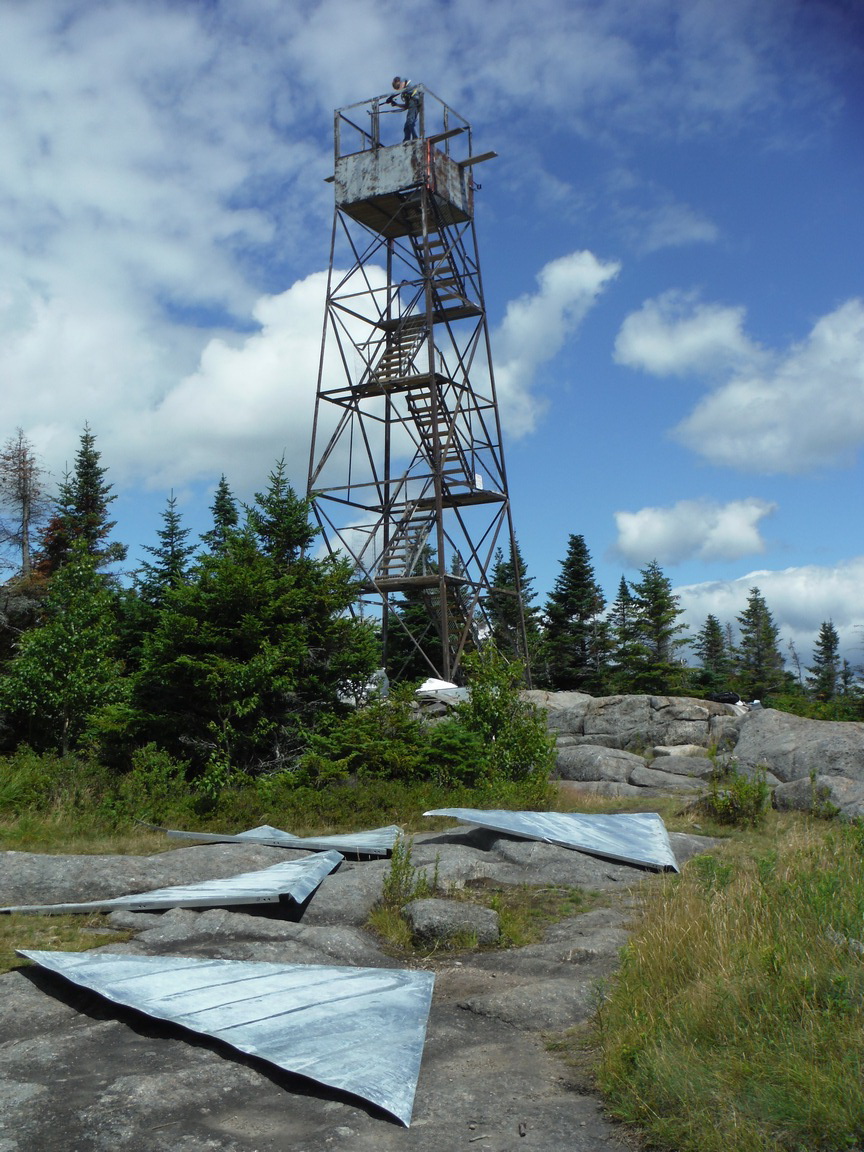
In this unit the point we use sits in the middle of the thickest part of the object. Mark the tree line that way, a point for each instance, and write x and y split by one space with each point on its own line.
227 653
638 643
221 654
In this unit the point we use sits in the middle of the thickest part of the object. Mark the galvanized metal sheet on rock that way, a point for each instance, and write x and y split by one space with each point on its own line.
375 842
295 879
630 837
359 1030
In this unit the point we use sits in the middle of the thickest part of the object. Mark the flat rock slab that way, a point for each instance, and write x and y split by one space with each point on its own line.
79 1073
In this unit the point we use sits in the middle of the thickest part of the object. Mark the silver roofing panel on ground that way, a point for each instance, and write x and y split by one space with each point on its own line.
296 879
375 842
630 837
359 1030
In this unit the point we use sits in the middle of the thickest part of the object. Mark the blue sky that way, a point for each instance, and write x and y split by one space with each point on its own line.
671 242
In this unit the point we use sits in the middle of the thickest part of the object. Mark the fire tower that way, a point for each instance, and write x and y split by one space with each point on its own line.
406 473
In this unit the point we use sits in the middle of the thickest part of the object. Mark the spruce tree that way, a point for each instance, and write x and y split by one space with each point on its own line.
657 665
625 645
502 608
170 566
715 659
225 517
81 513
413 635
826 667
758 660
575 632
249 650
280 519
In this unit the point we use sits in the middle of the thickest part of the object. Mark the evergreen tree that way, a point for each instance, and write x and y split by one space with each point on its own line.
656 663
280 519
171 557
413 635
575 632
250 649
826 667
715 659
225 517
81 513
758 660
67 667
502 608
626 649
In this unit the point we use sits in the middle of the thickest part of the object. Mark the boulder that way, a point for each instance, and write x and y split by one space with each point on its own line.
639 722
670 782
435 921
824 795
565 711
792 747
591 762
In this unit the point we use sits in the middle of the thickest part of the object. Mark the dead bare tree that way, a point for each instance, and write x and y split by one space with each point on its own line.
23 500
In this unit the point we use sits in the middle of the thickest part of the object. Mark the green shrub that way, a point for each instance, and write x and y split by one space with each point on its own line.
737 799
39 782
403 882
383 740
156 786
515 742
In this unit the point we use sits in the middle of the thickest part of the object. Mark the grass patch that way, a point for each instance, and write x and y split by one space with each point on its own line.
70 933
524 910
736 1019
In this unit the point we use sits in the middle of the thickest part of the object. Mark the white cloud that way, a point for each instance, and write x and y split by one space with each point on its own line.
692 528
535 327
799 599
676 335
807 412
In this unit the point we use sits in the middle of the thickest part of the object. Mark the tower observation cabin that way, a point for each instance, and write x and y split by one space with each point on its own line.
406 472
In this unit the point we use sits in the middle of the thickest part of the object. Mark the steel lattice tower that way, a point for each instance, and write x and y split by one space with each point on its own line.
406 473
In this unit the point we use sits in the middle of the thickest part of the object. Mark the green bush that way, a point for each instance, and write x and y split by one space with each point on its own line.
156 787
515 742
39 782
383 740
737 799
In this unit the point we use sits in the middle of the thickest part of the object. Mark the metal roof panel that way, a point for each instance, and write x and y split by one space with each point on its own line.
296 879
630 837
359 1030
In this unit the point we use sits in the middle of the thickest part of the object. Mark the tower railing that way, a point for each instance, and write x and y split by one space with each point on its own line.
369 124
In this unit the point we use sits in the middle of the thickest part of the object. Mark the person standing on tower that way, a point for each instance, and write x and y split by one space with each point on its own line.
410 95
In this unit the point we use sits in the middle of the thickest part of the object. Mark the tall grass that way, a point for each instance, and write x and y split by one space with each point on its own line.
736 1022
73 804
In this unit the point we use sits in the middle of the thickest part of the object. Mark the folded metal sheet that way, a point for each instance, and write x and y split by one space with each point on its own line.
375 842
295 879
630 837
359 1030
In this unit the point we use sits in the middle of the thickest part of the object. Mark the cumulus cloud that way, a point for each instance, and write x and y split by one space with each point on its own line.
677 335
535 327
692 528
805 412
800 600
